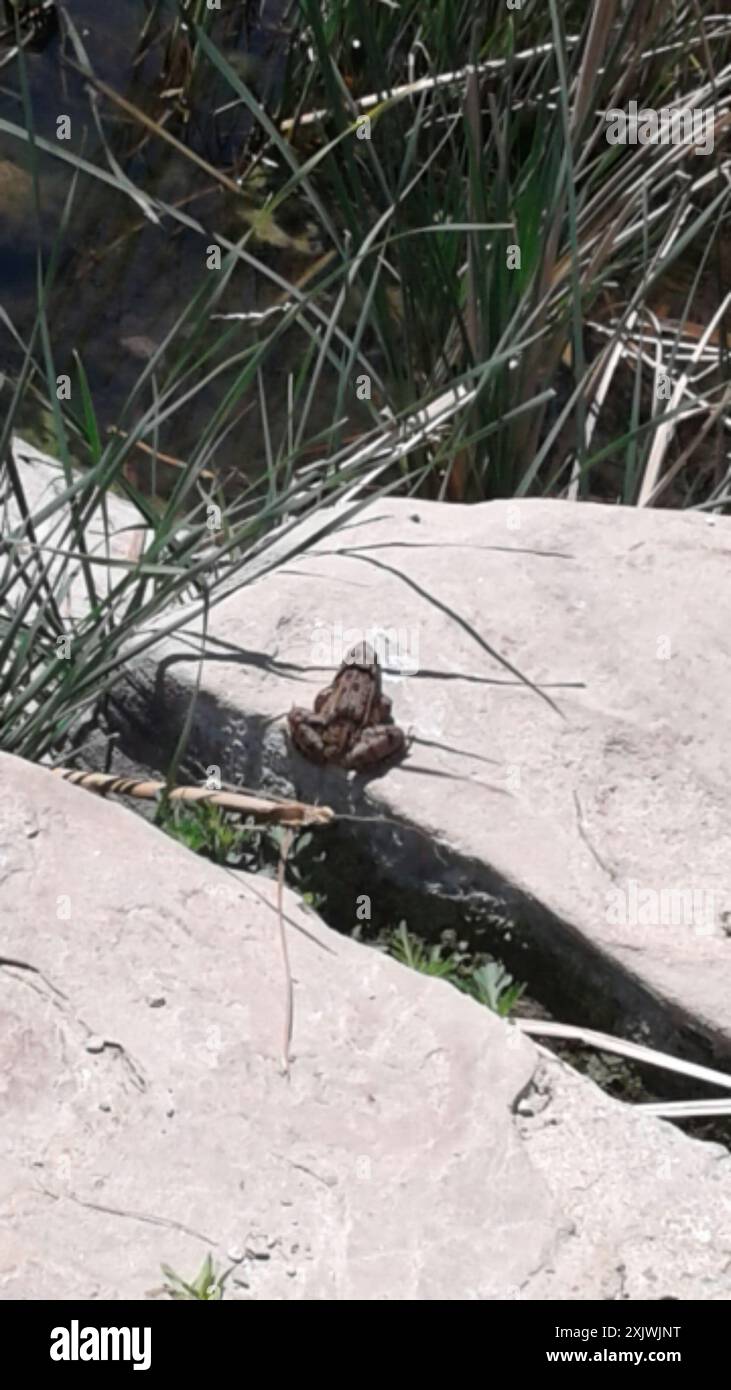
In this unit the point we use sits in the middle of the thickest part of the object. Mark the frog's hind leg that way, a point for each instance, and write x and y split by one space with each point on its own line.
379 743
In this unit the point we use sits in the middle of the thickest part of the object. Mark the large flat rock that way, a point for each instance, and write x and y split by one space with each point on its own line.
600 825
421 1149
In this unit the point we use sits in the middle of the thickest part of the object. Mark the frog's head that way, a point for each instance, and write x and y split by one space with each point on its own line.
361 655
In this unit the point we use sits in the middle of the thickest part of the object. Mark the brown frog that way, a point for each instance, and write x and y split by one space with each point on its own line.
351 724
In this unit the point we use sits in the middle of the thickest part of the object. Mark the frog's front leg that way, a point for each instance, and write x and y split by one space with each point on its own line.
376 743
307 731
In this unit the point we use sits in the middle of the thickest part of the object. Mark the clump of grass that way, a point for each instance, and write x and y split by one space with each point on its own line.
208 831
428 960
487 981
216 835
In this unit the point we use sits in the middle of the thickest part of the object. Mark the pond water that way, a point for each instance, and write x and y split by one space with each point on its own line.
123 281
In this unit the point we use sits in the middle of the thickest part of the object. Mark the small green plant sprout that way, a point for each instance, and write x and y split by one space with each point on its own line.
491 985
204 829
207 1285
428 960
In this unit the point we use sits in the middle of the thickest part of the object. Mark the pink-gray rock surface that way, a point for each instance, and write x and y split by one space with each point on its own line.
421 1148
